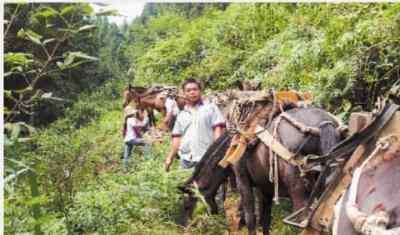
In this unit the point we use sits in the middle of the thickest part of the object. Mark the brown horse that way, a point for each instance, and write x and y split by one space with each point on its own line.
148 99
252 171
130 93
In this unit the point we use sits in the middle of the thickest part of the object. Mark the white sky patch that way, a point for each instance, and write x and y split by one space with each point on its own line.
128 10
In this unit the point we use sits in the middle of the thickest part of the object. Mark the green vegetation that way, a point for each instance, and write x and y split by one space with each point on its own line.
344 53
63 111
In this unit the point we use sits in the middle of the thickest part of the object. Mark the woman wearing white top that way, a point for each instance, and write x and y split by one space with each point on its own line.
135 122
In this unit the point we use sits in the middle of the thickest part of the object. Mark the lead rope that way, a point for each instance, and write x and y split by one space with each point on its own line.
271 153
273 159
274 167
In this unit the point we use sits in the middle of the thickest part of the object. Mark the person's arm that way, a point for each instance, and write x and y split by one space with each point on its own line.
218 121
177 133
176 141
218 131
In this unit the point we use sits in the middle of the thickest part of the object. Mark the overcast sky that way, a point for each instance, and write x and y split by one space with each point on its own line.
128 10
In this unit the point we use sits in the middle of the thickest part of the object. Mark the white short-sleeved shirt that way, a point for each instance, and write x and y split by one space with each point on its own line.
171 106
196 127
133 128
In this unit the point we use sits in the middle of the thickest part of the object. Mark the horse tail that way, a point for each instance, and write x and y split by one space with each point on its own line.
328 136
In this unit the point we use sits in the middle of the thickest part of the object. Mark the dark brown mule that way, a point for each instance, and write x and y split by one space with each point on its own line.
252 171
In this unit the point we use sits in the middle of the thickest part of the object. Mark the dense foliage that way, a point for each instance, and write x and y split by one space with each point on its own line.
65 68
344 53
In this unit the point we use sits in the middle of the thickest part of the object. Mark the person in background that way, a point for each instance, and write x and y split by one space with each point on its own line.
171 111
196 127
171 106
134 125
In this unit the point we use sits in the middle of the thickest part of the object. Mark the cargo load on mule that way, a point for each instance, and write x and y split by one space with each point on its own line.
363 195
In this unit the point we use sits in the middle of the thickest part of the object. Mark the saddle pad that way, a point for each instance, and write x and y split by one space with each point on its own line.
264 135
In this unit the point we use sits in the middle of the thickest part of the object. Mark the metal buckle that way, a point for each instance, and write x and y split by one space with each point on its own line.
290 219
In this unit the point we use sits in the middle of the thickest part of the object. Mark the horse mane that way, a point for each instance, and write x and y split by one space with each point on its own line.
138 89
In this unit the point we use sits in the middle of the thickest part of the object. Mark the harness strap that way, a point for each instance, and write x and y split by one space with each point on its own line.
238 147
303 128
264 135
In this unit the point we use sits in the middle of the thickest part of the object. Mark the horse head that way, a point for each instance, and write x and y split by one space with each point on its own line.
207 176
132 93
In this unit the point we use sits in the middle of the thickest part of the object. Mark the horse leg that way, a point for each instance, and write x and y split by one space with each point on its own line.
213 205
296 187
242 220
246 193
232 182
265 206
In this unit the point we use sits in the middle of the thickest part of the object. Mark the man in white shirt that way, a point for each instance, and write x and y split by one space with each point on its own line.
196 127
135 122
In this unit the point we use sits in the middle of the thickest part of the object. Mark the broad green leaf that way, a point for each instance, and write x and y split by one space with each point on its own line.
87 9
18 58
7 93
21 33
7 74
84 56
60 65
30 35
69 59
15 131
23 140
68 9
49 40
46 12
47 95
86 27
34 37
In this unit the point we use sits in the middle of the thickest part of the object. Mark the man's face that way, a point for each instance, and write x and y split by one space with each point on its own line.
192 93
